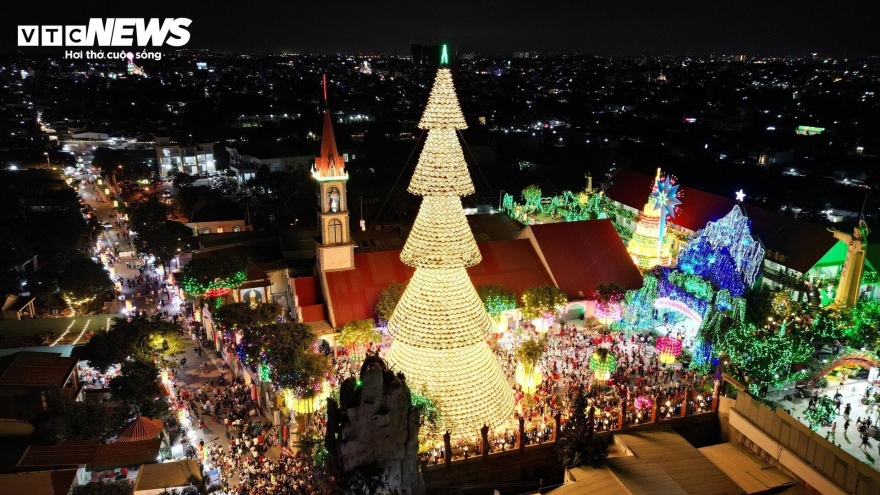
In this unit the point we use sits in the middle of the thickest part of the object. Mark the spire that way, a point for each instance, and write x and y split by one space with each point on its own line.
330 163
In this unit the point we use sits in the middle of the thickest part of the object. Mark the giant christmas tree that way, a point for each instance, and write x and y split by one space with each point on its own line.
440 325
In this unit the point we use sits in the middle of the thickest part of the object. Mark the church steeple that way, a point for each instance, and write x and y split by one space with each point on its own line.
336 249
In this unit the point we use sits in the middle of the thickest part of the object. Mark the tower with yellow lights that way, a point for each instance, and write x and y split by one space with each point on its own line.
646 247
440 326
336 249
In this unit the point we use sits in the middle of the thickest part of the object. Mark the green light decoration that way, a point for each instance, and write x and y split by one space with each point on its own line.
430 411
444 56
822 414
603 363
214 288
567 207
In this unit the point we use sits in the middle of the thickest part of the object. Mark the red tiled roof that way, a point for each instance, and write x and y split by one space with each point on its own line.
354 293
140 428
581 255
306 290
39 483
62 454
802 243
36 369
315 312
121 454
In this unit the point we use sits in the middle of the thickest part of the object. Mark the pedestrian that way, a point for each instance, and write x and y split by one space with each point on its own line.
183 362
833 428
865 442
847 410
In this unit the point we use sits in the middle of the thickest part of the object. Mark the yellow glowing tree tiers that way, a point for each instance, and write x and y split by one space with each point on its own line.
440 325
651 243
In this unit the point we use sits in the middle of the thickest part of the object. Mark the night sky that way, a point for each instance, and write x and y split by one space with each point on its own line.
623 27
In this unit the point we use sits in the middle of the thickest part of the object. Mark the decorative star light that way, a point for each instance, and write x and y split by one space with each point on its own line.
666 197
740 196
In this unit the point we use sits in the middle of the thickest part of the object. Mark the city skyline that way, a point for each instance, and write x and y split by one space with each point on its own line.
627 28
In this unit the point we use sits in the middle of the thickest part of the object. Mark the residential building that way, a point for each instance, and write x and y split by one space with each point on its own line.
192 159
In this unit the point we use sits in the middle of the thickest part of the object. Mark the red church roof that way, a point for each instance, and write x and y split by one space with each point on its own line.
581 255
329 153
354 293
802 243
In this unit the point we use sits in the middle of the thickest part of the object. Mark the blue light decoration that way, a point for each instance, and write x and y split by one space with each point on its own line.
702 352
725 253
665 198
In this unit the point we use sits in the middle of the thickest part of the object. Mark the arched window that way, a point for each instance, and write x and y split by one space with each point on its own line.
334 232
333 199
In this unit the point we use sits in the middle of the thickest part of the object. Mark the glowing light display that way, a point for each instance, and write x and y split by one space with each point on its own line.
528 379
666 303
725 253
643 402
603 363
440 324
669 348
651 244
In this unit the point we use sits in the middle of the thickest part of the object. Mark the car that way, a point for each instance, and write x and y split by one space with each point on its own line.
167 194
107 225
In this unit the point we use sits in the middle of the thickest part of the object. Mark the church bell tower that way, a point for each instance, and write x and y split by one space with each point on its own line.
336 249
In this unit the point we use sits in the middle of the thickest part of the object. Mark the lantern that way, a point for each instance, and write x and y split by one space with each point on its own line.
608 313
528 380
669 348
603 363
643 402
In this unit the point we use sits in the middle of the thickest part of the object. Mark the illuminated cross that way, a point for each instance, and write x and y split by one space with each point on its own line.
740 196
444 57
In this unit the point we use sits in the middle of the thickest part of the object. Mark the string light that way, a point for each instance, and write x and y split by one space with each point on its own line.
669 348
443 110
441 237
441 170
603 363
646 240
440 325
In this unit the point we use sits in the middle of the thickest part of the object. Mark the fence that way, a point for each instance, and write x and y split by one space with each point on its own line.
845 471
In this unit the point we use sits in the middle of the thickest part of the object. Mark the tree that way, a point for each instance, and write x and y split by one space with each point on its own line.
497 299
821 414
68 419
102 488
213 274
577 443
241 315
81 281
141 338
610 293
138 387
388 300
529 353
532 197
358 334
156 234
287 350
542 301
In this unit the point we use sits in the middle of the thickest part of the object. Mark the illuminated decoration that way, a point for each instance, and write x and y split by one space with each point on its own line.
441 169
669 348
702 353
821 414
603 363
725 253
666 303
808 130
651 243
678 291
440 325
643 403
608 312
307 405
528 379
569 207
444 56
740 196
215 288
849 287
